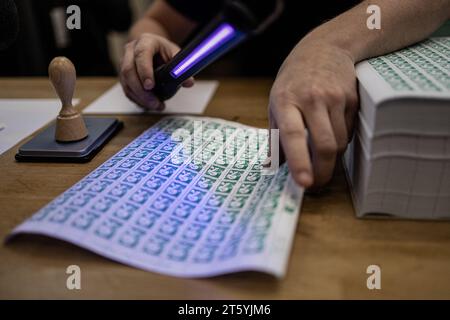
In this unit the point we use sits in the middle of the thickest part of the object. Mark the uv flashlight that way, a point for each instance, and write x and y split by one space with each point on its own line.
239 20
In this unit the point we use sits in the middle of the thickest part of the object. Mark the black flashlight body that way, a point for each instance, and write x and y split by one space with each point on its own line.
244 17
167 85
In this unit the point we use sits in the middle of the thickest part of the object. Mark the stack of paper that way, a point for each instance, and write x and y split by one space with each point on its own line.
399 161
189 197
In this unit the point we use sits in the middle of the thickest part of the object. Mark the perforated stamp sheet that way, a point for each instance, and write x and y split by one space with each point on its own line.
189 197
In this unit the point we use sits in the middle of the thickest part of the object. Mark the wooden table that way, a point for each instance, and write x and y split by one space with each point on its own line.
331 251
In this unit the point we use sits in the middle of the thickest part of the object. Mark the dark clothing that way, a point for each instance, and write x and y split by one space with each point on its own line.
263 55
87 47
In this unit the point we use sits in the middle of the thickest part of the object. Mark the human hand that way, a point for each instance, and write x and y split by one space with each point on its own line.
313 103
136 73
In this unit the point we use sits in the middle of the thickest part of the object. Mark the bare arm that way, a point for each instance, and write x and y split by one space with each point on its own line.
161 19
153 37
403 22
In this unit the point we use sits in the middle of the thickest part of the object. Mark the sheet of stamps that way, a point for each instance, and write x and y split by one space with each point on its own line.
189 197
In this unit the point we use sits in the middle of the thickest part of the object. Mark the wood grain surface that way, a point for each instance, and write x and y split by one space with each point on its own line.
331 251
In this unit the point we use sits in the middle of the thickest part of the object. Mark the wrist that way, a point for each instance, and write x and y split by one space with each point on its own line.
311 44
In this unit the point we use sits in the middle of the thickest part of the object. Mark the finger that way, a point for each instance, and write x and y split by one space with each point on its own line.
128 71
128 77
189 83
350 115
132 84
351 112
135 92
130 95
127 66
170 50
324 146
146 48
294 142
149 104
128 92
144 98
338 122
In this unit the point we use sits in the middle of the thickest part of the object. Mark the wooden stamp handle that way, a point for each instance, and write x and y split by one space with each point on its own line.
63 76
70 125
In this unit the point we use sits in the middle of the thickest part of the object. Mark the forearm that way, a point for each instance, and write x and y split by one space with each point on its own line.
163 20
147 25
403 22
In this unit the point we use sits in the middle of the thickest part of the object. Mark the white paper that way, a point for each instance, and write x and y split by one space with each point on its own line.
398 162
187 101
158 206
420 71
22 117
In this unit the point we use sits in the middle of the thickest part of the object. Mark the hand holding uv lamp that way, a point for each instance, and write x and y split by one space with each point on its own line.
239 20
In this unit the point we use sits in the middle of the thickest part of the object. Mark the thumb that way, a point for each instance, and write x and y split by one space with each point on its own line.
189 83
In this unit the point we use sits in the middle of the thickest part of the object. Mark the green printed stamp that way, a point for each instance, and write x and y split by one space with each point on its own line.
253 176
214 171
237 202
205 183
233 175
246 188
225 187
216 200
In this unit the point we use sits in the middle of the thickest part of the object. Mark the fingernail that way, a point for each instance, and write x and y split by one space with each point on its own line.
305 179
148 84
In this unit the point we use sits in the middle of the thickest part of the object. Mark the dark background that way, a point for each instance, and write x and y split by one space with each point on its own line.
96 48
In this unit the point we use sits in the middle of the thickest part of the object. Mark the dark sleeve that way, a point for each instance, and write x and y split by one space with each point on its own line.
200 11
115 16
